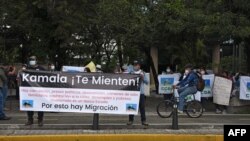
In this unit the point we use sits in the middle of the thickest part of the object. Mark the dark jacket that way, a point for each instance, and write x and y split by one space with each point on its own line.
190 80
38 68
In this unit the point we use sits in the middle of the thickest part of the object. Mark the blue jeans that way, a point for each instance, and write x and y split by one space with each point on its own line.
183 93
1 103
5 93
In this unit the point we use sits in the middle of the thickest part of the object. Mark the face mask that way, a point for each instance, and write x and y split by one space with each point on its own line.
52 67
202 72
136 68
23 68
168 70
32 63
186 72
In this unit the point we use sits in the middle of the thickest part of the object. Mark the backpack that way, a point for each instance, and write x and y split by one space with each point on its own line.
201 83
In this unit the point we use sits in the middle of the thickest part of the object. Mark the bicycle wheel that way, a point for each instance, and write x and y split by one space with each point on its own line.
194 109
165 108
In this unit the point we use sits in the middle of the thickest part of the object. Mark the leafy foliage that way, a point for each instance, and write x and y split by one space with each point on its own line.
74 32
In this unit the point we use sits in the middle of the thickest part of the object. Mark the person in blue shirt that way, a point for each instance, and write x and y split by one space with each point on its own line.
143 81
186 86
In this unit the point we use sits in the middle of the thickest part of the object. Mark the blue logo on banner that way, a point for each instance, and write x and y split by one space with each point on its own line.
207 83
131 107
248 86
27 103
167 81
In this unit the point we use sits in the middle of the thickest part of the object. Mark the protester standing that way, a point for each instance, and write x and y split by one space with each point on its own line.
168 95
3 81
99 68
34 66
51 67
221 109
5 88
143 80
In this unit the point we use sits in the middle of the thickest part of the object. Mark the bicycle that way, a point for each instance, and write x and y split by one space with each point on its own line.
192 108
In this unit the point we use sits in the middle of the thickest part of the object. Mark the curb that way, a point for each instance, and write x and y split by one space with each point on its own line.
111 137
106 126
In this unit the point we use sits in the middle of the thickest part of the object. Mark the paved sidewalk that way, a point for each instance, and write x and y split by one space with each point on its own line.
112 131
81 123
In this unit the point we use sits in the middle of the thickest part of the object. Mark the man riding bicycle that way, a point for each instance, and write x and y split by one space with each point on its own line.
186 86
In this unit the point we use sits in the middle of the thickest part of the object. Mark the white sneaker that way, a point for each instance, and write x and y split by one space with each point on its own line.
180 112
218 111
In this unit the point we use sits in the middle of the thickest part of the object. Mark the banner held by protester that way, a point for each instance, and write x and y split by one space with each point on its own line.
72 69
222 90
209 80
245 87
166 82
79 92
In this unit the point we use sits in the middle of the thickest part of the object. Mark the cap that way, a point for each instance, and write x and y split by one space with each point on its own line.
188 66
136 62
33 57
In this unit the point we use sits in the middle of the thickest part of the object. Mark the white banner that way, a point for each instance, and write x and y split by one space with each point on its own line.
166 82
222 90
72 69
79 92
245 87
79 100
209 81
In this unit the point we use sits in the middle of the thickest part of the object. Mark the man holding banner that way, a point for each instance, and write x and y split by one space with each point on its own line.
169 94
143 80
166 82
222 91
34 66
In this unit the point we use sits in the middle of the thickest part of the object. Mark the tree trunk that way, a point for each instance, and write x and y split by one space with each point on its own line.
216 58
119 48
247 50
153 57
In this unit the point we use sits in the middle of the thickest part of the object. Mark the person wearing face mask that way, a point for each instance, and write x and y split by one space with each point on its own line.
51 67
186 86
143 80
203 71
183 76
34 66
169 95
99 68
222 109
168 70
